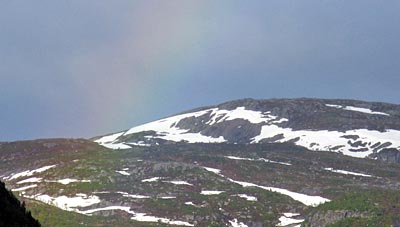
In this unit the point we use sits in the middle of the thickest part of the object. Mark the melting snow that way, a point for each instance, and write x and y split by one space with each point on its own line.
305 199
140 143
116 146
247 197
142 217
24 188
123 172
236 223
89 212
166 129
208 192
31 180
325 140
168 197
315 140
68 181
109 138
287 219
190 203
252 116
125 194
29 173
357 109
178 182
238 158
67 203
259 159
153 179
347 172
213 170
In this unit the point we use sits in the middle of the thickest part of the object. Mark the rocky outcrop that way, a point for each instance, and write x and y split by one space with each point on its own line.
391 155
324 218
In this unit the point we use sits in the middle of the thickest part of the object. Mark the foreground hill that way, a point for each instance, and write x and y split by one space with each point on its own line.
354 128
184 184
12 212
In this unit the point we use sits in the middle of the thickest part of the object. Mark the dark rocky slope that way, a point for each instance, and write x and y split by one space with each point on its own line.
12 212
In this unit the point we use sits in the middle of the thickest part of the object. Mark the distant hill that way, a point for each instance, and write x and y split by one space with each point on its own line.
351 127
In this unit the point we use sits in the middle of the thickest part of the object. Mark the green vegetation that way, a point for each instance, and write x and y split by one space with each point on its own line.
185 162
369 208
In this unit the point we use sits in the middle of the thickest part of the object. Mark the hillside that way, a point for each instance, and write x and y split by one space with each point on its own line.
187 184
354 128
254 163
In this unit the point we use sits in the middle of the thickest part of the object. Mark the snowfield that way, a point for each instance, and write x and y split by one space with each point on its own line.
327 140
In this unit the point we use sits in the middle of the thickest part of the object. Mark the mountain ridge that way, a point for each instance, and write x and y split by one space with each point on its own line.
282 120
246 163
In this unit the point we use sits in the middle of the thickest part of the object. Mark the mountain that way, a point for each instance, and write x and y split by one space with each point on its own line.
354 128
13 212
242 163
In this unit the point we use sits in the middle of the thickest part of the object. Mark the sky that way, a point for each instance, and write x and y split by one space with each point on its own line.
72 68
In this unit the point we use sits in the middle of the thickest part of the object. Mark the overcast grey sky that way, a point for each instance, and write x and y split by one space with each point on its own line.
85 68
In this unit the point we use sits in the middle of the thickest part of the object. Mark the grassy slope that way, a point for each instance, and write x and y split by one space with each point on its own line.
183 162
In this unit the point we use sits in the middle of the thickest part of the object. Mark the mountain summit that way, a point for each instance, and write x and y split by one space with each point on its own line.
354 128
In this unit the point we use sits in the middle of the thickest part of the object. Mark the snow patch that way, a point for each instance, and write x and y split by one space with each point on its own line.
209 192
247 197
236 223
254 117
31 180
24 188
153 179
190 204
287 219
67 203
29 173
123 172
125 194
109 138
305 199
68 181
142 217
178 182
326 140
116 146
213 170
259 159
348 172
166 129
357 109
168 197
